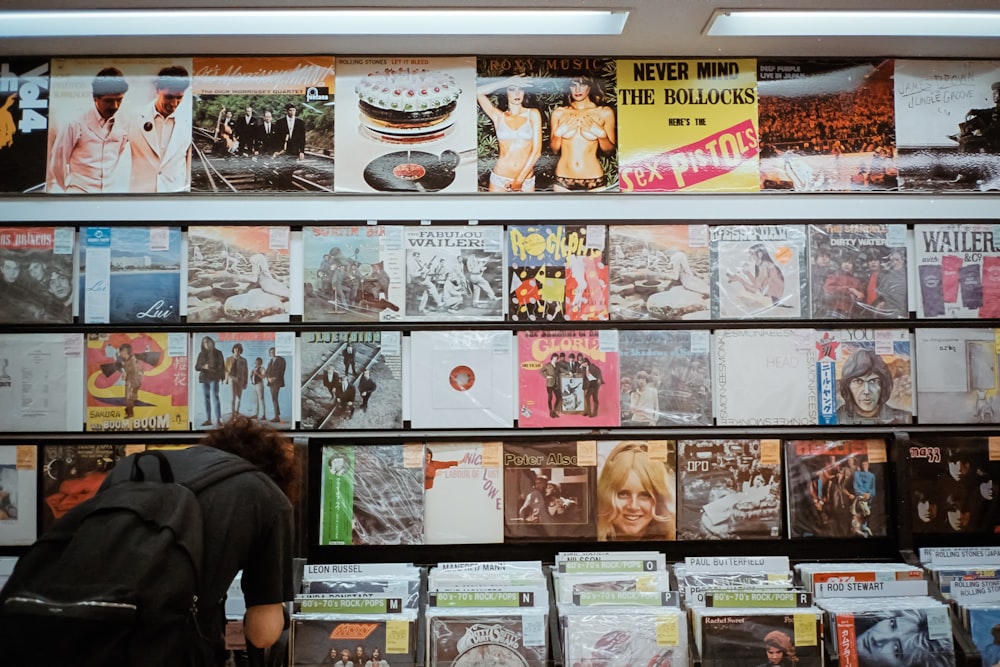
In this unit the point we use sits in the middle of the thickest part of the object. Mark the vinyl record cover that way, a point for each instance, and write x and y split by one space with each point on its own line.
836 488
351 380
130 274
499 639
36 265
71 474
954 485
860 637
958 271
461 470
247 373
407 123
547 124
689 125
759 271
372 494
659 272
104 132
636 497
983 624
322 641
263 124
873 379
238 274
957 380
18 494
857 271
454 273
567 378
461 379
548 493
666 378
353 273
24 124
748 639
946 125
40 377
729 489
626 638
765 377
136 382
557 273
826 125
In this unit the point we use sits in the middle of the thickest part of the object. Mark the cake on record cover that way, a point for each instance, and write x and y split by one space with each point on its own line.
353 273
666 378
958 271
547 493
40 377
729 489
36 265
557 273
836 488
957 381
351 380
659 272
24 123
371 494
567 378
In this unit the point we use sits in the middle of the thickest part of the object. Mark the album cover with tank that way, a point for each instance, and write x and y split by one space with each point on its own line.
40 376
36 269
18 494
461 379
408 123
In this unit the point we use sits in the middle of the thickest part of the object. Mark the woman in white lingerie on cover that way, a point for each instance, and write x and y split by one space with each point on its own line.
518 130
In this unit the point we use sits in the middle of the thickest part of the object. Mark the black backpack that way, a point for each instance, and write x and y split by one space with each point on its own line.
116 581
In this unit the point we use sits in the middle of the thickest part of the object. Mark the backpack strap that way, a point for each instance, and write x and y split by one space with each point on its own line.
166 472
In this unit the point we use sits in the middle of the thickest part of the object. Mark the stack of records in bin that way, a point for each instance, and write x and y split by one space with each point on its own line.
616 608
487 614
813 574
356 613
695 583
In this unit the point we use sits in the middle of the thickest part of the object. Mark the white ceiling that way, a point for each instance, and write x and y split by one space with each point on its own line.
670 28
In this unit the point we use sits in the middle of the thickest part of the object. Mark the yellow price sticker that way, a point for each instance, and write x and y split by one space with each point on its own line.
413 455
586 453
667 631
26 457
876 451
657 450
994 448
805 630
770 452
492 454
134 449
397 637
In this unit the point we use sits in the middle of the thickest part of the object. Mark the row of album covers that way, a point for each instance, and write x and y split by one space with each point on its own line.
356 380
473 492
496 124
525 273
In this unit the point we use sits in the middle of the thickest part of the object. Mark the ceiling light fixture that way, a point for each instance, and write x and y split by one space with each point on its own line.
215 22
859 23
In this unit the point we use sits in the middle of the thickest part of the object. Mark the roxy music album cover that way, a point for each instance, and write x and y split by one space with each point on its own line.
501 640
454 273
745 639
567 378
864 376
130 274
557 273
636 490
408 123
546 124
469 471
857 271
106 125
729 489
18 494
263 124
353 273
136 381
954 483
836 488
40 377
946 125
826 125
319 642
957 380
36 265
371 494
71 474
238 274
688 125
24 123
248 373
759 271
547 493
665 378
659 272
958 271
351 380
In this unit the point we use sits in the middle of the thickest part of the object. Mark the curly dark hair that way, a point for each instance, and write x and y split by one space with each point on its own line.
261 445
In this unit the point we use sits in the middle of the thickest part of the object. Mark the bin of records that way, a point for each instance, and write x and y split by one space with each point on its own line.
698 576
581 573
861 579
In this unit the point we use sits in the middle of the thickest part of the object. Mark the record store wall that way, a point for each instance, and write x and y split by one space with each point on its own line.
498 286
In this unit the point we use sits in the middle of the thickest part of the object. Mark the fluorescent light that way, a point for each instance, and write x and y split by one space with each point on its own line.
205 22
859 23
